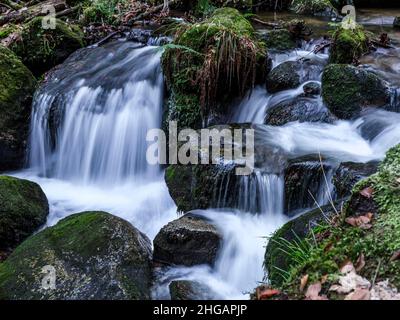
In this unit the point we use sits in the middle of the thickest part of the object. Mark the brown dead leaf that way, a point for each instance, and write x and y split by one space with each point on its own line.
303 282
313 291
362 222
360 263
367 192
347 267
266 294
395 256
359 294
324 279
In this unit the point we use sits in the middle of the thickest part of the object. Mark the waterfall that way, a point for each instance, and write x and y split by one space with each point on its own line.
102 122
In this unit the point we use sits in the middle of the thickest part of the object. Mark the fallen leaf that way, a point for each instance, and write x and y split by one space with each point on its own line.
360 263
267 294
367 192
313 291
350 282
347 267
324 278
395 256
361 221
359 294
303 282
383 290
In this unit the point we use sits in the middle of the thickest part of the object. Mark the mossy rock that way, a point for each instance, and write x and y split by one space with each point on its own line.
95 255
189 290
23 209
346 90
348 45
17 85
41 49
276 261
312 7
279 39
284 76
213 62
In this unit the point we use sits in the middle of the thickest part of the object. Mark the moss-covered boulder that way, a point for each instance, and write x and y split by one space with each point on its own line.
17 85
346 90
312 7
41 49
23 209
210 63
298 109
276 260
189 240
279 39
93 255
283 77
348 45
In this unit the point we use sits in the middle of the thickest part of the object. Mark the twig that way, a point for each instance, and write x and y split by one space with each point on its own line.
264 23
146 14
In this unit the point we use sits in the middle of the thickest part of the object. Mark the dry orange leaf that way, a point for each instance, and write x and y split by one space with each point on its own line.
303 282
362 222
360 263
267 294
313 291
367 192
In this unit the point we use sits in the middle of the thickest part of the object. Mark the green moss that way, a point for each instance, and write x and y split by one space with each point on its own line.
105 11
6 30
23 209
337 243
280 39
348 45
41 49
346 90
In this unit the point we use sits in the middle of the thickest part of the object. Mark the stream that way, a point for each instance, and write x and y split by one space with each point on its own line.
88 144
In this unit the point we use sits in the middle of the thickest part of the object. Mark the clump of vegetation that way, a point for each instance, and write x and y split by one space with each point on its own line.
105 11
348 45
311 6
215 60
375 237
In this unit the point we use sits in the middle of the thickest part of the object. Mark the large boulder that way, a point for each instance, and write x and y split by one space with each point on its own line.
23 209
346 90
298 109
17 85
348 45
189 240
41 49
92 255
349 173
312 7
279 39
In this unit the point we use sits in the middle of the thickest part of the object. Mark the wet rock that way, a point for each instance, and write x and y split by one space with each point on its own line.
275 259
41 49
140 35
304 179
347 90
298 109
396 23
94 255
348 45
17 85
349 173
312 89
312 7
23 209
189 290
284 76
279 39
189 240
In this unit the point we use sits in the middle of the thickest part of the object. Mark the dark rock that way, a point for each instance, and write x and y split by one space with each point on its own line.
349 173
189 290
346 90
312 89
189 240
298 228
140 35
17 85
95 255
304 179
23 209
360 204
298 109
284 76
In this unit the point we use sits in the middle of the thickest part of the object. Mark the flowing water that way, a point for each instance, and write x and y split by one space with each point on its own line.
87 151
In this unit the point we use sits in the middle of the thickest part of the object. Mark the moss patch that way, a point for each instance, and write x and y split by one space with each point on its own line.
41 49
